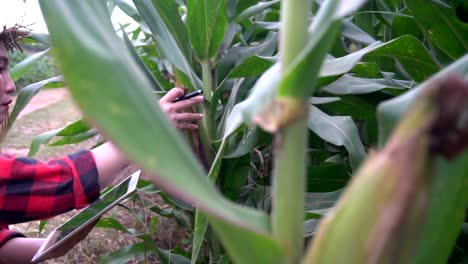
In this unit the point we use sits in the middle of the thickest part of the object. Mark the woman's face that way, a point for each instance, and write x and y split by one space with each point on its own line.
7 87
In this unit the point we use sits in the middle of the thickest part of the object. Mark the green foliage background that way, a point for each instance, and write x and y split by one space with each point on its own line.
45 67
378 56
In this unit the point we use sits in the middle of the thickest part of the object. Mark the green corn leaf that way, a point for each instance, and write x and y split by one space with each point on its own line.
406 26
264 90
166 42
128 9
199 232
390 112
326 177
155 85
255 9
446 213
27 93
251 67
235 56
413 56
111 223
442 26
353 32
245 247
351 105
75 138
74 128
41 139
243 4
340 131
21 68
345 8
167 257
40 37
304 70
128 106
126 254
348 84
207 23
129 116
201 220
170 15
234 174
262 94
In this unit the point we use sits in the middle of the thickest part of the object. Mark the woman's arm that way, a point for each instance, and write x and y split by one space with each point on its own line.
19 250
36 190
78 176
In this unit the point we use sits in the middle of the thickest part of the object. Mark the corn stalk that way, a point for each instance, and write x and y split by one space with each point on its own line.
291 140
378 219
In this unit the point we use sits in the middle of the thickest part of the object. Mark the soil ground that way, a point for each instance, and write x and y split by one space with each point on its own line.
51 109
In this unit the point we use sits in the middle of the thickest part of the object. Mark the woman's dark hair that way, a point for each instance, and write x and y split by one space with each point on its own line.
12 35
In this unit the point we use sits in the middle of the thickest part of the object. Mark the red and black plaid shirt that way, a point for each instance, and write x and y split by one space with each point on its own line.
33 190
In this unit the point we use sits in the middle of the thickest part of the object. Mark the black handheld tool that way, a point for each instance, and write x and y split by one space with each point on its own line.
188 96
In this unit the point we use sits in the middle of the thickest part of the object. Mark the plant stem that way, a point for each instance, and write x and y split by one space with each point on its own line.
207 79
288 189
291 142
295 20
208 88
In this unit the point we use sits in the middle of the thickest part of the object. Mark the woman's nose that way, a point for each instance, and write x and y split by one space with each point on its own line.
9 85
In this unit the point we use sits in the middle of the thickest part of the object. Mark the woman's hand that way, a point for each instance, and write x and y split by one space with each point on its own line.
182 120
109 159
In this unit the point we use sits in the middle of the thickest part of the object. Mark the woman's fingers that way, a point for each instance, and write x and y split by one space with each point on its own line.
173 94
187 117
182 120
186 126
182 105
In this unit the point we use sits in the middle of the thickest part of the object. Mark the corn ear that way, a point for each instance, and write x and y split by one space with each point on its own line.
378 218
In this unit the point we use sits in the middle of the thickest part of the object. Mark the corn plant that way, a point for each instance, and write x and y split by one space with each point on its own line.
222 47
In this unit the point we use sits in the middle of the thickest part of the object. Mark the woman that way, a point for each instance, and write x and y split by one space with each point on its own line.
32 190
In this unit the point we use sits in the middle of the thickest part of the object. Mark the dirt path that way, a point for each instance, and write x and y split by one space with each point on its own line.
45 98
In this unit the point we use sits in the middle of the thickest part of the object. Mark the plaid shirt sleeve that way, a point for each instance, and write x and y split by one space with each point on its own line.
33 190
6 234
